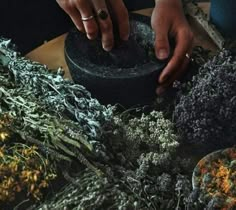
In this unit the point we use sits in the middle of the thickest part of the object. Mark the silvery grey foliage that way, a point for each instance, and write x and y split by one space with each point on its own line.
150 132
90 193
125 190
46 110
206 113
61 96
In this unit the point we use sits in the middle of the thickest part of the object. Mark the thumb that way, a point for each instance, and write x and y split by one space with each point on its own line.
161 29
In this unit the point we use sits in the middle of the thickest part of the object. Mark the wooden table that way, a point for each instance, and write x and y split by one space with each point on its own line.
52 52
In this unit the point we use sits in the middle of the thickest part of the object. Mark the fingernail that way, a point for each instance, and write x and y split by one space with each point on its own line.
80 29
162 54
160 90
107 48
164 78
91 36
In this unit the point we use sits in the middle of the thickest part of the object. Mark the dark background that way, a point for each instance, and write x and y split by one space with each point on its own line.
29 22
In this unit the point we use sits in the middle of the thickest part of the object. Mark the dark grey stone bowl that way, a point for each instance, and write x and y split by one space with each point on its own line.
127 75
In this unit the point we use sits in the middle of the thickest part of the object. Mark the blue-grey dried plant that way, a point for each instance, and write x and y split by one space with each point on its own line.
47 110
60 96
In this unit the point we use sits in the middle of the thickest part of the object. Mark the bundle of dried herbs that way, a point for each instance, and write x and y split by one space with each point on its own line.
144 172
167 102
55 114
60 97
150 132
93 193
24 172
205 113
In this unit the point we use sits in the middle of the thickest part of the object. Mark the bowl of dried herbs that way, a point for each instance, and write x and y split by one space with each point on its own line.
126 75
215 179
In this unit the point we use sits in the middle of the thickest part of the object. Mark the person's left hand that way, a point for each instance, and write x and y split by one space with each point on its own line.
168 20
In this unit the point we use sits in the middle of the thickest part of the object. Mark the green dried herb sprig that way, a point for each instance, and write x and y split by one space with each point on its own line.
30 120
56 114
60 96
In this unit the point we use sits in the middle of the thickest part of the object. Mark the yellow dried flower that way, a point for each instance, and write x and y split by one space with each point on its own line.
22 170
43 184
3 136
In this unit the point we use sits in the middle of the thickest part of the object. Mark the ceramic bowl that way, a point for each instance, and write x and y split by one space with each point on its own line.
215 178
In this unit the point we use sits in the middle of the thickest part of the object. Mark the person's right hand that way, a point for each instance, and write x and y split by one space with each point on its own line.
85 16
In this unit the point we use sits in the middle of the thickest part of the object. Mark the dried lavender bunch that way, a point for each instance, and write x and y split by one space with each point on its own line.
167 102
206 113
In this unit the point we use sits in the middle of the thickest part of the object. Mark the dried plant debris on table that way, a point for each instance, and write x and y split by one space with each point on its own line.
205 114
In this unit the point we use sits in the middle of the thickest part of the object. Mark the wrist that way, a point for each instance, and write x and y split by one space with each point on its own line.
169 2
169 7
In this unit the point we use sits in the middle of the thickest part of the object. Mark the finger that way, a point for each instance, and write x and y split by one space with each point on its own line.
105 24
184 45
175 77
122 18
73 13
161 29
76 19
180 71
86 10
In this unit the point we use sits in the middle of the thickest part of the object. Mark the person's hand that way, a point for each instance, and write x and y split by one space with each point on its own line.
93 16
168 21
